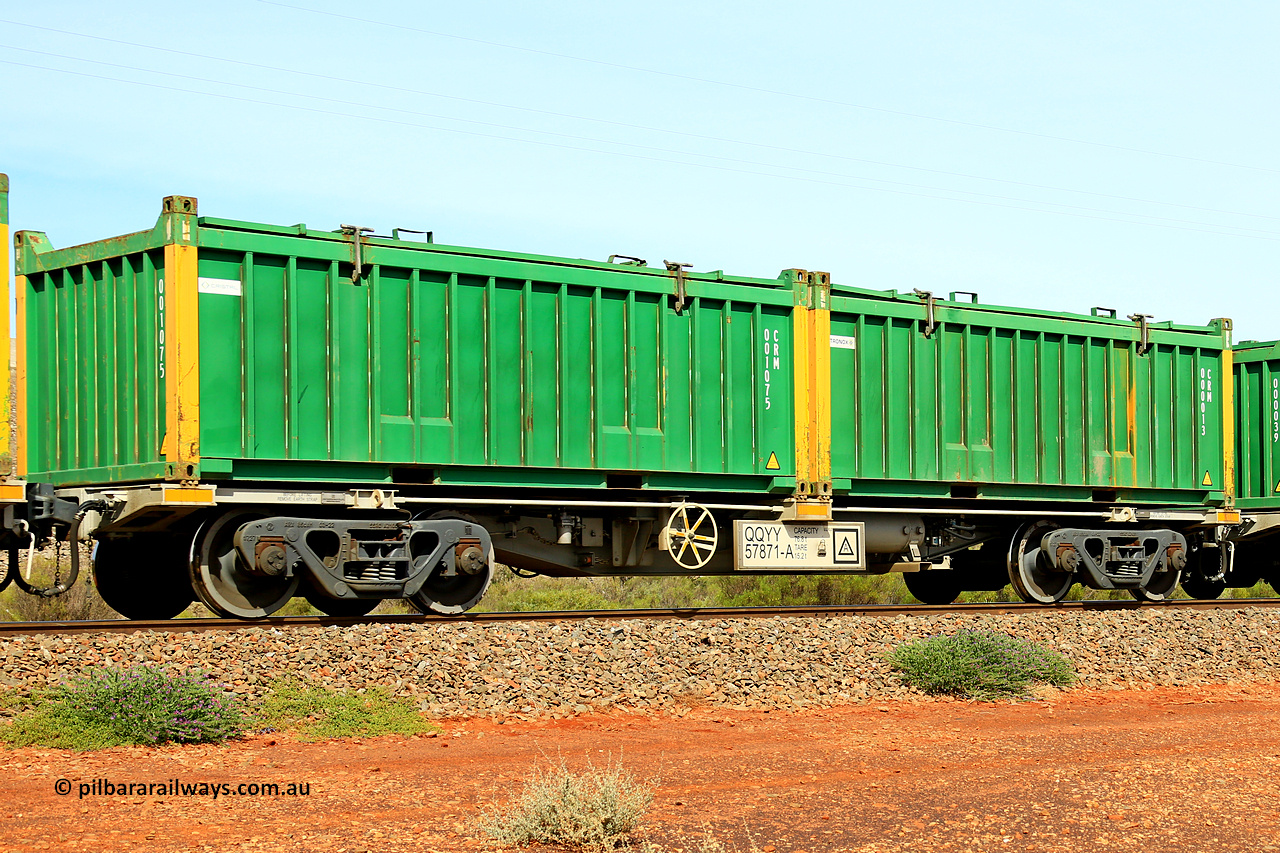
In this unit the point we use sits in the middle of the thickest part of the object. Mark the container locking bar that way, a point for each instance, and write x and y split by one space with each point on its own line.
929 323
678 269
357 259
1144 333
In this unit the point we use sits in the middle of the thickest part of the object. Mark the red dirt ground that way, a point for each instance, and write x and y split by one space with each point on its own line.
1154 770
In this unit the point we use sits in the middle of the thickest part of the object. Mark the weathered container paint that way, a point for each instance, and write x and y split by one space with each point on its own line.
1257 399
6 455
224 350
1004 402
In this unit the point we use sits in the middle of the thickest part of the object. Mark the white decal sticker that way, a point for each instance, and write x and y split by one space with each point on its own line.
1206 396
1275 412
160 319
772 362
843 342
220 286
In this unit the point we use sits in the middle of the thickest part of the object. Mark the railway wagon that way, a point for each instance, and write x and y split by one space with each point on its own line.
242 413
1257 398
1040 424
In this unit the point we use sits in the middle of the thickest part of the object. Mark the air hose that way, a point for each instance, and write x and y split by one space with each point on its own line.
73 536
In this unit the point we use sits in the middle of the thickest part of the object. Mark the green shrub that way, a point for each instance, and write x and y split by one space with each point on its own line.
40 568
317 713
138 706
979 665
592 810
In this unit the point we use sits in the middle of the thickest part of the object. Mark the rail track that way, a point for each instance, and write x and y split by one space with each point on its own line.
125 626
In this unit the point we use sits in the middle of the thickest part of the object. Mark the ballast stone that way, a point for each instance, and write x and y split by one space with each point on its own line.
542 668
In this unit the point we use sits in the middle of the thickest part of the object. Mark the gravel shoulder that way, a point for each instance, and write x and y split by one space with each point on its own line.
526 670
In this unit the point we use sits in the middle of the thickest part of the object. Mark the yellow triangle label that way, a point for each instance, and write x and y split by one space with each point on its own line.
1278 487
1207 481
772 464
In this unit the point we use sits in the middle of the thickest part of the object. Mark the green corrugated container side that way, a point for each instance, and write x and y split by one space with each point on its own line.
95 403
439 364
1257 402
1005 402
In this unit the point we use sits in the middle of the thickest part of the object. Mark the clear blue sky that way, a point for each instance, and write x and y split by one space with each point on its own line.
1057 155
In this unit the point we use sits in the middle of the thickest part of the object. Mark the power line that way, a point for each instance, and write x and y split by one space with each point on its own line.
613 122
1208 229
598 141
766 91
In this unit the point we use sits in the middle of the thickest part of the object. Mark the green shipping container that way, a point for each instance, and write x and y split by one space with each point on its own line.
943 398
222 351
333 357
1257 399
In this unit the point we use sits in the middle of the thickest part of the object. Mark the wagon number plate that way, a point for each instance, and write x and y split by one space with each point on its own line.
761 546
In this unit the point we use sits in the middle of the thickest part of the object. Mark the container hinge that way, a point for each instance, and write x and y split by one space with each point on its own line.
929 323
357 257
1144 332
629 261
678 268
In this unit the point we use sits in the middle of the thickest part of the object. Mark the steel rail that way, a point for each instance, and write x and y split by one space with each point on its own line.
126 626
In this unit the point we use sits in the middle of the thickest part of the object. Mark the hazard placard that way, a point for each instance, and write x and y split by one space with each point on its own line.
772 464
1207 481
848 545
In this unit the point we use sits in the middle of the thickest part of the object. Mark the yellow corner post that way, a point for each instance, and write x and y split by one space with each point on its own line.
820 394
20 415
812 329
801 335
1229 425
181 340
13 445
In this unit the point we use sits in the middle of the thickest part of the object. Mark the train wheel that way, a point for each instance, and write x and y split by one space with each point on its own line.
940 587
1159 588
1028 569
338 607
143 577
1199 587
452 596
1205 576
224 583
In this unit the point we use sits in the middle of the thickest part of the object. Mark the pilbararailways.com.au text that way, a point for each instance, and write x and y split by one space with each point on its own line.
179 788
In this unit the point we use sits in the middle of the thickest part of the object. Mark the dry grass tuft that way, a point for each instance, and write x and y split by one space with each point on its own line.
591 810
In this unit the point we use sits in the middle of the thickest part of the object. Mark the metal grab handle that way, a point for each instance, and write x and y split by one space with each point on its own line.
396 232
